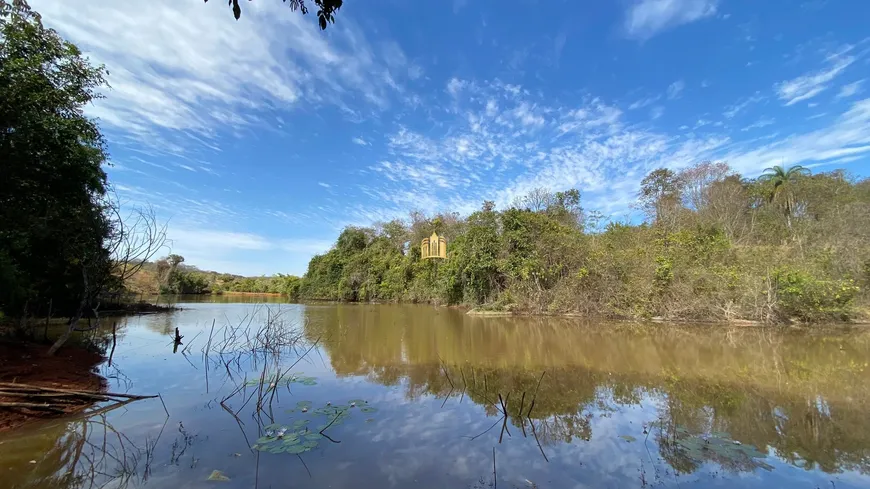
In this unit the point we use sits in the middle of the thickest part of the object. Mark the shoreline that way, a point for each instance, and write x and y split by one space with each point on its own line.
73 367
485 313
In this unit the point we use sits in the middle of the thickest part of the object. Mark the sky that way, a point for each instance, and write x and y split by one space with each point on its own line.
258 140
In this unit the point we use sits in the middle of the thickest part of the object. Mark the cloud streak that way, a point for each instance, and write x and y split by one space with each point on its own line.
190 67
647 18
811 84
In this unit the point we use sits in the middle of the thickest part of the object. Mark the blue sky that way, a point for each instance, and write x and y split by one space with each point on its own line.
259 139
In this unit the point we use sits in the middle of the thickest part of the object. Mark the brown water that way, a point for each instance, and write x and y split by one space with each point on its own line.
603 405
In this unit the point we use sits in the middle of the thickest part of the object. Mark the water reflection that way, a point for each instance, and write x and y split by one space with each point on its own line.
801 395
587 405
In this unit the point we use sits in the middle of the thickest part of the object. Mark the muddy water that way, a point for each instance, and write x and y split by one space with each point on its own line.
413 396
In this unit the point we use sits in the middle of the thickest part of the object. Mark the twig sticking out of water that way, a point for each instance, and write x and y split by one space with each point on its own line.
164 404
494 475
535 395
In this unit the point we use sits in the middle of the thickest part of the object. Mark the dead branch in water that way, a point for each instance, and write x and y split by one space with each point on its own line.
35 397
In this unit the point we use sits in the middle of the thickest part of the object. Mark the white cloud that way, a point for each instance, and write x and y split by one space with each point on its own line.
639 104
848 135
675 89
235 252
759 124
527 116
732 110
218 240
809 85
179 68
360 141
656 112
324 184
454 86
851 89
484 151
646 18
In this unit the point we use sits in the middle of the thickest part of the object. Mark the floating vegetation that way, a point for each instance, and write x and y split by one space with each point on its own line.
628 438
297 438
719 447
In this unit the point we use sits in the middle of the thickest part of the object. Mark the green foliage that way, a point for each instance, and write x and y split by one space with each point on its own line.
169 275
710 251
53 227
326 9
296 438
812 299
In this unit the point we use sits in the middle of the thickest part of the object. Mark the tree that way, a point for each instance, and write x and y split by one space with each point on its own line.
325 13
538 199
53 224
697 180
660 194
565 208
782 181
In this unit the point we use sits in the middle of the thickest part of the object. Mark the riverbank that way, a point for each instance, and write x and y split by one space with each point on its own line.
233 292
72 367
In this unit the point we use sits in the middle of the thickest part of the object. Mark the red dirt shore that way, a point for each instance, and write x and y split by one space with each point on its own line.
27 363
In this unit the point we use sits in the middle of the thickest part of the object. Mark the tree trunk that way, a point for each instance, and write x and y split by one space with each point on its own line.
73 320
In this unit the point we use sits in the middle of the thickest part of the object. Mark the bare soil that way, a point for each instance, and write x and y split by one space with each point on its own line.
71 367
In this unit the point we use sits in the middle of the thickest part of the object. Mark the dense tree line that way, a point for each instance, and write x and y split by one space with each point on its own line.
169 275
55 220
65 246
714 246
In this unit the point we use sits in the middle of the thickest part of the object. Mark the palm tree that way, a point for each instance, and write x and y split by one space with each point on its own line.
782 180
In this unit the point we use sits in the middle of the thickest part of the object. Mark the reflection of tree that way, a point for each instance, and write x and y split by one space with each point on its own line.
81 453
565 428
797 394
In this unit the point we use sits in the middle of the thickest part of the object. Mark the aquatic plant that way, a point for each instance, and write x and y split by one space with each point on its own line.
298 437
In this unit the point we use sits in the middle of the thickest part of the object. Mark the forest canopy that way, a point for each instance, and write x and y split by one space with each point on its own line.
714 246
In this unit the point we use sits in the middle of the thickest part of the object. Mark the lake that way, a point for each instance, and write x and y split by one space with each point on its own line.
374 396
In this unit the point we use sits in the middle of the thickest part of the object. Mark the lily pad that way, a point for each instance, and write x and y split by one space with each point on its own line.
368 409
217 475
628 438
299 423
303 405
297 449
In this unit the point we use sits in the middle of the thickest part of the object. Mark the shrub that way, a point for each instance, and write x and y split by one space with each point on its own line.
801 295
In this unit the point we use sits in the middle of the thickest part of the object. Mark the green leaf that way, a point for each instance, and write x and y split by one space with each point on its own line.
368 409
299 423
296 449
